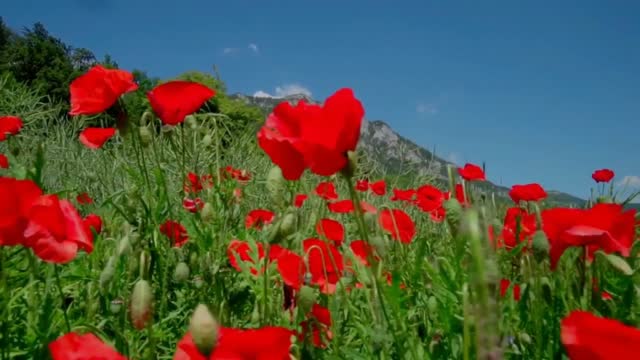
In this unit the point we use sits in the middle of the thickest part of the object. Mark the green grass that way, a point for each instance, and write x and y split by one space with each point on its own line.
448 306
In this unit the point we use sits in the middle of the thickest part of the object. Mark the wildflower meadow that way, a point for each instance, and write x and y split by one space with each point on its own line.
173 232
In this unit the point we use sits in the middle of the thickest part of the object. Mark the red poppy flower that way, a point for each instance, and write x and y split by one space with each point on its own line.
258 218
527 192
362 250
368 208
318 323
471 172
291 267
98 89
84 199
429 198
242 250
379 187
88 346
267 343
242 176
174 100
438 215
403 195
331 230
94 138
398 224
93 222
362 185
4 161
504 286
17 197
603 175
517 220
56 231
312 136
192 205
175 232
325 264
299 200
10 125
341 207
605 227
326 190
586 336
193 183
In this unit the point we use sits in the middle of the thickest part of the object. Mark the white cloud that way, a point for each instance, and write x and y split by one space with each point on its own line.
630 181
254 47
229 51
262 94
426 108
285 90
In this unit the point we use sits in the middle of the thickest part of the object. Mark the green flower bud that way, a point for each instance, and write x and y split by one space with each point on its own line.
540 245
116 306
204 330
352 164
306 298
181 273
287 225
207 140
198 282
145 136
191 121
108 272
124 246
141 304
276 185
207 214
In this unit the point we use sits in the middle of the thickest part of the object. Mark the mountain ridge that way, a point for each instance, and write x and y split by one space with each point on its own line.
396 153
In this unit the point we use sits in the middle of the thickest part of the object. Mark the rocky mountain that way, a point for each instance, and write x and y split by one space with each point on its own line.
390 152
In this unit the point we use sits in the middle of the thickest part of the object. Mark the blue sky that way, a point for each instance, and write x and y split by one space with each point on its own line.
542 91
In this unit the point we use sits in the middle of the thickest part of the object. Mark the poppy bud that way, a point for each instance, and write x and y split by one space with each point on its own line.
454 214
525 338
108 272
116 306
352 165
287 225
132 265
191 121
181 273
204 330
124 246
207 140
276 184
432 304
306 298
378 243
207 214
540 245
193 259
145 136
141 303
197 281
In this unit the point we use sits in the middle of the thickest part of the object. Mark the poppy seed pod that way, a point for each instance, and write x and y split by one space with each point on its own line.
141 303
204 330
115 306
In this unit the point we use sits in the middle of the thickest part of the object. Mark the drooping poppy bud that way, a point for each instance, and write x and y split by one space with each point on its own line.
181 273
141 303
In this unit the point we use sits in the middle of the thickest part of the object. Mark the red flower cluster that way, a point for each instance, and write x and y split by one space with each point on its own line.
50 226
311 136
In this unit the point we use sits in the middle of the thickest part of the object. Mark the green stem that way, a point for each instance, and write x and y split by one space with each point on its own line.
59 286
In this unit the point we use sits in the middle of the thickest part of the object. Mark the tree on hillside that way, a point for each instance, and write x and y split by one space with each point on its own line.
40 60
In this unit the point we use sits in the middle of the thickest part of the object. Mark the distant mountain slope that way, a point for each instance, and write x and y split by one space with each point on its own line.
394 153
